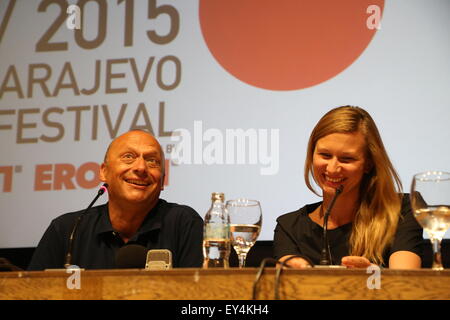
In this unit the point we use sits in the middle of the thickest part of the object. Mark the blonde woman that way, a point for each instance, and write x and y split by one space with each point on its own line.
371 221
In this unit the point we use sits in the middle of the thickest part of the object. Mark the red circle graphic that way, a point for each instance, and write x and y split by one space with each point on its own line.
287 44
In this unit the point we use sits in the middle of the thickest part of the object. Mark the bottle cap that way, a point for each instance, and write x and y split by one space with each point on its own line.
218 196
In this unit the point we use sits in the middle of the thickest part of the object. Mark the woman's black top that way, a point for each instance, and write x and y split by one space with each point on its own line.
297 234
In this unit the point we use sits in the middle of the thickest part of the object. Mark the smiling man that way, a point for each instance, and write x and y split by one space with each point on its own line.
133 168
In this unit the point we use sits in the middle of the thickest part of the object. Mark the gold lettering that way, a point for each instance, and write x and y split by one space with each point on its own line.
94 122
147 125
41 81
6 18
161 132
140 83
52 124
11 72
113 130
110 76
159 74
72 83
3 113
21 125
93 90
101 27
78 110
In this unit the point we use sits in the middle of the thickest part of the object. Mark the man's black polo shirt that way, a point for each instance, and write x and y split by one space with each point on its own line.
167 226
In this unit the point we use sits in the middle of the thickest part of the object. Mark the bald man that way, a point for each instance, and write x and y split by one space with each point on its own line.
133 168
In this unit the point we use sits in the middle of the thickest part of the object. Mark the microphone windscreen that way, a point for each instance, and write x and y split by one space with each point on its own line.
131 256
159 259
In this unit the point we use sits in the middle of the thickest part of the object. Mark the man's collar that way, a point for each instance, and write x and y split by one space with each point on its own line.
153 220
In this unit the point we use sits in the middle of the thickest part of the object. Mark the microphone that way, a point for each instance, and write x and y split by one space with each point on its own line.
326 254
68 259
131 256
6 265
160 259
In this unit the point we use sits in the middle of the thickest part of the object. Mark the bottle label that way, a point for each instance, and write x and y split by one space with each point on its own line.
217 231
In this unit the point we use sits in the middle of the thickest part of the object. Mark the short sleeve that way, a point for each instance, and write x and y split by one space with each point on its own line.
190 253
283 243
49 252
409 235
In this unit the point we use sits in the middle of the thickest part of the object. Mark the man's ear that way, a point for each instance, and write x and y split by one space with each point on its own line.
163 181
102 172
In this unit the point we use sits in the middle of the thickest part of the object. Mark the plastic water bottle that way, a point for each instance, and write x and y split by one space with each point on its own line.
216 236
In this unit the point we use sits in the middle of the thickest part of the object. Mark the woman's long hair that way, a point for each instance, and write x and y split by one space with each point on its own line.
376 221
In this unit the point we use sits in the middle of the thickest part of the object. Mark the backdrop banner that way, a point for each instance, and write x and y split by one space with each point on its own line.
231 89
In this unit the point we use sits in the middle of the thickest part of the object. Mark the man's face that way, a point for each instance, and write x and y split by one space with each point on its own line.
133 169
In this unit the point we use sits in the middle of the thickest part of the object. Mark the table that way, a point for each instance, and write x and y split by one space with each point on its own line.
225 284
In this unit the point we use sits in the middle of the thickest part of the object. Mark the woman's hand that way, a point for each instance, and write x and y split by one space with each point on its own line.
355 262
297 262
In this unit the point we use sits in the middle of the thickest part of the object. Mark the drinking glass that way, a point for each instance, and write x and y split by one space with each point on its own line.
245 225
430 202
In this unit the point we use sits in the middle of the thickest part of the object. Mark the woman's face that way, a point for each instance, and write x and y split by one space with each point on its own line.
340 159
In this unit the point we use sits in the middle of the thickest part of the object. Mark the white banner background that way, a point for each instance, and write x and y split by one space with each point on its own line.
402 79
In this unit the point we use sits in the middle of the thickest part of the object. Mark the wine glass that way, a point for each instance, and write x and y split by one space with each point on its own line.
245 225
430 201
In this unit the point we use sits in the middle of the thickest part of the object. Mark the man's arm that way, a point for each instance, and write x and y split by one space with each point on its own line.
49 253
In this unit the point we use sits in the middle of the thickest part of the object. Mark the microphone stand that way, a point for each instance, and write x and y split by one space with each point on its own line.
68 258
326 254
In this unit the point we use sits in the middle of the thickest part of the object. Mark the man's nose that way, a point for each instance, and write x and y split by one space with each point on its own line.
140 165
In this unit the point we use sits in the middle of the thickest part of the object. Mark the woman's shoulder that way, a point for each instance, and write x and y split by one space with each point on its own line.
405 204
293 216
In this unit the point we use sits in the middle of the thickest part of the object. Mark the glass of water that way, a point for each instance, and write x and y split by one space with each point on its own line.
245 225
430 202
